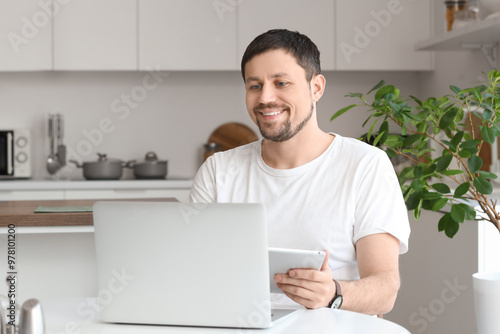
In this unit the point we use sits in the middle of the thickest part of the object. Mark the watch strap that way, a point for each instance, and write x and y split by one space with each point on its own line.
337 300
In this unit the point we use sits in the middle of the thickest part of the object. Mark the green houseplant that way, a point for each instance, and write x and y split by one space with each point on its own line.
446 123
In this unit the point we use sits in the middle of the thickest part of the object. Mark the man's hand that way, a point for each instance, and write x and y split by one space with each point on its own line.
308 287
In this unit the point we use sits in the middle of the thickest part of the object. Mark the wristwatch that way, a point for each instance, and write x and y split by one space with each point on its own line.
338 298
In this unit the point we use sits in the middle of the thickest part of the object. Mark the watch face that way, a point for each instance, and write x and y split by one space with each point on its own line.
337 302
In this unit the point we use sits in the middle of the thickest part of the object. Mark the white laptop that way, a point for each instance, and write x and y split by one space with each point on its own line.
183 264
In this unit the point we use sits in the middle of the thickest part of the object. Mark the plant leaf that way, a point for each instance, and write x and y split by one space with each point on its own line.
441 187
448 118
377 86
439 204
411 139
457 213
455 89
341 111
488 134
482 185
461 190
470 213
452 172
413 201
416 100
383 91
431 196
448 225
443 162
457 138
487 175
475 163
452 227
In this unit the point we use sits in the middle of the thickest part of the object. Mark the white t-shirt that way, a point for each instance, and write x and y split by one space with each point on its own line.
348 192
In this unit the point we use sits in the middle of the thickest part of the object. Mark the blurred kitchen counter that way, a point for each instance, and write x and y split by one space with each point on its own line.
37 190
22 213
94 184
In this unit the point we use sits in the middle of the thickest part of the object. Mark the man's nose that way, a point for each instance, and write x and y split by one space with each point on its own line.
267 94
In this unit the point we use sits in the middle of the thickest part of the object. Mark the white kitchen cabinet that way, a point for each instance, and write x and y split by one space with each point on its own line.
30 195
186 35
314 18
381 35
26 30
180 194
96 35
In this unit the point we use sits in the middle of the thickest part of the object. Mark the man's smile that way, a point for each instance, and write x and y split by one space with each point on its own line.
272 113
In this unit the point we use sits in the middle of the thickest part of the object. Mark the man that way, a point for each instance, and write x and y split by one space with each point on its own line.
321 190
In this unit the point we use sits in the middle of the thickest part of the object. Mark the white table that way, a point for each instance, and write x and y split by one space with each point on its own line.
69 316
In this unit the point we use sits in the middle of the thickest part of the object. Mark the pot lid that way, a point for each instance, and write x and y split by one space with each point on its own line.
102 157
152 158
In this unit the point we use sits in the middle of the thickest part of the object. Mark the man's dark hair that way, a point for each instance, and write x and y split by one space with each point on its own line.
300 46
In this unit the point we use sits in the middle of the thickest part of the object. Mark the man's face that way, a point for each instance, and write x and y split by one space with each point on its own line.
278 96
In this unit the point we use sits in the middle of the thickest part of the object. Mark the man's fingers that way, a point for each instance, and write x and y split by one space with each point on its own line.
306 298
325 265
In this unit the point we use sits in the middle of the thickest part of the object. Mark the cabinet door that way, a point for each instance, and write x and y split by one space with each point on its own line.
381 35
313 18
186 35
96 35
26 30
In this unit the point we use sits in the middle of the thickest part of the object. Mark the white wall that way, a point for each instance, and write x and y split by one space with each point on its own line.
175 119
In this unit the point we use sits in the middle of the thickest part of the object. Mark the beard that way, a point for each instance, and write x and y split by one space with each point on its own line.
285 132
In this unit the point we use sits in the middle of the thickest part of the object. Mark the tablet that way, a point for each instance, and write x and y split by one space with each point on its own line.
281 260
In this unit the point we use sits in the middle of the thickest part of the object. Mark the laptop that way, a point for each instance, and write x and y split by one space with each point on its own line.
183 264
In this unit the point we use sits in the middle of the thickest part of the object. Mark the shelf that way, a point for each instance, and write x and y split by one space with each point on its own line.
485 32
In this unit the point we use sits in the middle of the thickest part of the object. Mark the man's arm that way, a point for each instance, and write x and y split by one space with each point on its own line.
374 293
378 264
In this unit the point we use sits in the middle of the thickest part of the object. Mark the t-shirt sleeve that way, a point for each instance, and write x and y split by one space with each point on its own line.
380 205
203 189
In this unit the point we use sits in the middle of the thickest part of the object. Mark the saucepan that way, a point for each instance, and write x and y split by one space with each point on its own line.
150 168
103 169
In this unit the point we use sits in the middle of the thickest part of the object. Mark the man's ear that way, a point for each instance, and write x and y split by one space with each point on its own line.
318 84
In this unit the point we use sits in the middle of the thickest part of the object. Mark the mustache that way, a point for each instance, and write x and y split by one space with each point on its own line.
271 105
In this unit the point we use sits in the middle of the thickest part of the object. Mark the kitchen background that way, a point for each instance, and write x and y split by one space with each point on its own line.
176 117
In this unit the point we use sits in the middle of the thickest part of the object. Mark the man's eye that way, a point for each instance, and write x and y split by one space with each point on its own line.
253 87
281 83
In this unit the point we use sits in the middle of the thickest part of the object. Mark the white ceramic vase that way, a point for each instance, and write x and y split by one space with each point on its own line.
487 301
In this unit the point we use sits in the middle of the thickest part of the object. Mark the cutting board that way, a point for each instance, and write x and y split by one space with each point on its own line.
231 135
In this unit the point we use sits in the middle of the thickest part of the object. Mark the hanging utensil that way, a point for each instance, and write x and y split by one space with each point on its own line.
53 164
61 148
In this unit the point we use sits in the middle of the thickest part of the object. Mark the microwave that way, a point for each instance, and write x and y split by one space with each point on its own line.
15 154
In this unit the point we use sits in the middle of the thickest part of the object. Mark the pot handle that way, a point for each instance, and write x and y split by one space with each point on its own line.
129 164
76 163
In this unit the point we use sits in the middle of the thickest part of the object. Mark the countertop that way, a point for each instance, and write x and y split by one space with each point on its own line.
76 316
44 184
21 213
